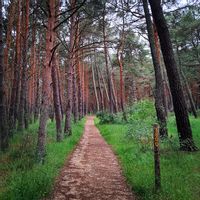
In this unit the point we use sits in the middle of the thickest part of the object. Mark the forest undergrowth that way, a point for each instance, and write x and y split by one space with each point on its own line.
132 142
22 178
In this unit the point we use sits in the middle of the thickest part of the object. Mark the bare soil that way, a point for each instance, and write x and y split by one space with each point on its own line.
92 172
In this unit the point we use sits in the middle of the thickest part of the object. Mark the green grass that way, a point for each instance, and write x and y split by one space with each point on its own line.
180 171
22 178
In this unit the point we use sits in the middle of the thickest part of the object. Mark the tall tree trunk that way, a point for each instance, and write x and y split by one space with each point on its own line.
100 86
119 59
95 87
8 71
15 85
56 99
75 99
105 88
38 90
83 87
60 90
67 129
162 87
32 80
106 62
158 74
46 83
77 71
187 87
23 95
180 108
3 117
86 90
114 92
120 62
79 89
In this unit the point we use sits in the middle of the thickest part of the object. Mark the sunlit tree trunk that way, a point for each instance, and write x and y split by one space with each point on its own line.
100 86
120 62
105 87
106 62
180 108
95 87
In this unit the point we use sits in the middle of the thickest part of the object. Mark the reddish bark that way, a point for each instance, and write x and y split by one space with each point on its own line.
83 87
67 129
16 81
32 75
46 85
102 106
22 119
8 71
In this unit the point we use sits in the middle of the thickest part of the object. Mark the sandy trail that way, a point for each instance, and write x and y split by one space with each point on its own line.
92 172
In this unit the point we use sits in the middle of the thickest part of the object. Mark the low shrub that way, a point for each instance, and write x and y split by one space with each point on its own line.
105 117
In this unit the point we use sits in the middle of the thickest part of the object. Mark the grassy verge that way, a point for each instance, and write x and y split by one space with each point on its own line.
22 178
180 171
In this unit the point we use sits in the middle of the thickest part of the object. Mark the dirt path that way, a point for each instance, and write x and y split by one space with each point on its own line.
92 172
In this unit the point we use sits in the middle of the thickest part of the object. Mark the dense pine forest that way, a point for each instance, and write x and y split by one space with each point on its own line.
85 86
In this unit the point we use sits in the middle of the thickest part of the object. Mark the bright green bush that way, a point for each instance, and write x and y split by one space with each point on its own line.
141 117
105 117
142 110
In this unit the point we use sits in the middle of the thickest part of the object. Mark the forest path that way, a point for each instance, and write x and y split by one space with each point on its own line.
92 172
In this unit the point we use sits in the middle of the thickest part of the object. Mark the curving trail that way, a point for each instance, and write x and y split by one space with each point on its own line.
92 172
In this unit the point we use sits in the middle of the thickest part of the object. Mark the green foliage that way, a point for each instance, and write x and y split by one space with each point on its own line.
25 178
141 116
105 117
142 110
184 27
179 170
135 114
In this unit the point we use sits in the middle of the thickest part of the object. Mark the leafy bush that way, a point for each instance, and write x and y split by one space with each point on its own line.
142 110
105 117
141 117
